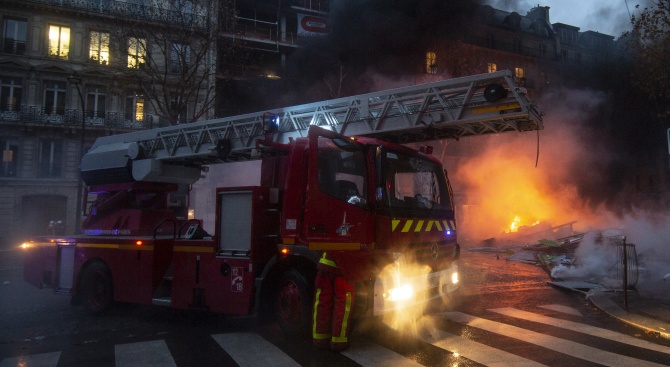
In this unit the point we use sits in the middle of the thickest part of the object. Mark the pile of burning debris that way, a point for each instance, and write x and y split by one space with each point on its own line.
556 251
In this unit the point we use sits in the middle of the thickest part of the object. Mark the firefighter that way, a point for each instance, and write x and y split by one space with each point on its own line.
333 303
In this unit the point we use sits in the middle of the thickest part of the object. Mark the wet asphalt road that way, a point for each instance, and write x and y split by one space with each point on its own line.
37 322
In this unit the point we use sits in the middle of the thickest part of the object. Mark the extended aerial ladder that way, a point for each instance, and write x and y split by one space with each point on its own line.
450 109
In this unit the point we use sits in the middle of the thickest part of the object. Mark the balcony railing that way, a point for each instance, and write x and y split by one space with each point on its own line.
130 9
251 30
38 114
317 5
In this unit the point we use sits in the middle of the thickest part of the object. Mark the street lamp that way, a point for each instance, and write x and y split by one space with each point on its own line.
80 182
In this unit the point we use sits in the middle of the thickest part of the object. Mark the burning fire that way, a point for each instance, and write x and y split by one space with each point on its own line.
516 223
500 181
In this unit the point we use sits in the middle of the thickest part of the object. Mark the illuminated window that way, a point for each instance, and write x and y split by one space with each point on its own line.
59 41
99 47
492 67
134 109
519 73
10 94
137 52
431 63
14 37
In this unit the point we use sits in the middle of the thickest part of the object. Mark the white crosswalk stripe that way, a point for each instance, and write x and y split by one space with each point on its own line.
581 328
472 350
563 309
143 354
547 341
369 355
249 349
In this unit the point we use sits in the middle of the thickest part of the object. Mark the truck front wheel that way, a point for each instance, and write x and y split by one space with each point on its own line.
293 304
97 288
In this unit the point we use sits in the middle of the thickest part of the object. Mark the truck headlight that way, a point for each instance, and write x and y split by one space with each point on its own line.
399 294
454 278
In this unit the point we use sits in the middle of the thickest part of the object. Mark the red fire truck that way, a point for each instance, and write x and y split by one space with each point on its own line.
335 176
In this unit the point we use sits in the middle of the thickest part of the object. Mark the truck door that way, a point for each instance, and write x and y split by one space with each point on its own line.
337 215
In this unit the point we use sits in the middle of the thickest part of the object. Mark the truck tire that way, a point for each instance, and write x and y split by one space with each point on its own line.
97 288
293 304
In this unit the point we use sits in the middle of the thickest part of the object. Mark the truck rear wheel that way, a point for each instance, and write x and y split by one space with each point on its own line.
97 288
293 304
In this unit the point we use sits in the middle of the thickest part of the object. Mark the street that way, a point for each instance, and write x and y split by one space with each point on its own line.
507 315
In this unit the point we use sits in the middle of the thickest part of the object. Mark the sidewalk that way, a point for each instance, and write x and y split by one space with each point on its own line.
650 315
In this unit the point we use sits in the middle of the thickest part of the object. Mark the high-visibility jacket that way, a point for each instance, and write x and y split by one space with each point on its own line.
333 303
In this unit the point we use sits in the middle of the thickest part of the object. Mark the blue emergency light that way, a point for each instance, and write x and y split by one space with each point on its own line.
270 122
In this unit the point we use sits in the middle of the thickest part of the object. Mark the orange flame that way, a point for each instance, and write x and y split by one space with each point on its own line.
503 182
517 223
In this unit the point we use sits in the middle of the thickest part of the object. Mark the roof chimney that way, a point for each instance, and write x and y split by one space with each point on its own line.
539 13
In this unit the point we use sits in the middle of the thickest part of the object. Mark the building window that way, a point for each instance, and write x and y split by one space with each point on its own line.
51 158
59 41
10 94
95 103
519 73
183 9
99 47
15 35
180 57
134 111
492 67
137 52
10 150
431 63
54 98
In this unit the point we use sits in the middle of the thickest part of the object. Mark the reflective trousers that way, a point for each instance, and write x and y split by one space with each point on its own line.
333 302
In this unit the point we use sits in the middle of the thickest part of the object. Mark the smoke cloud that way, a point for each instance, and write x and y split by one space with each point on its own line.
372 38
535 178
581 175
596 162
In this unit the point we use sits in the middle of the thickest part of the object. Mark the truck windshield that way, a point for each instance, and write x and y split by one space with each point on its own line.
415 186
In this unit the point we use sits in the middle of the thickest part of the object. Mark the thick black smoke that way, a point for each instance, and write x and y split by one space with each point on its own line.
627 128
385 37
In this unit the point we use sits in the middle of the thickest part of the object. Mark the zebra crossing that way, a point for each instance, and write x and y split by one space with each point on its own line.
252 349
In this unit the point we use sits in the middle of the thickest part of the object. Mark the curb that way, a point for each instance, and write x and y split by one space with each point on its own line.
649 325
